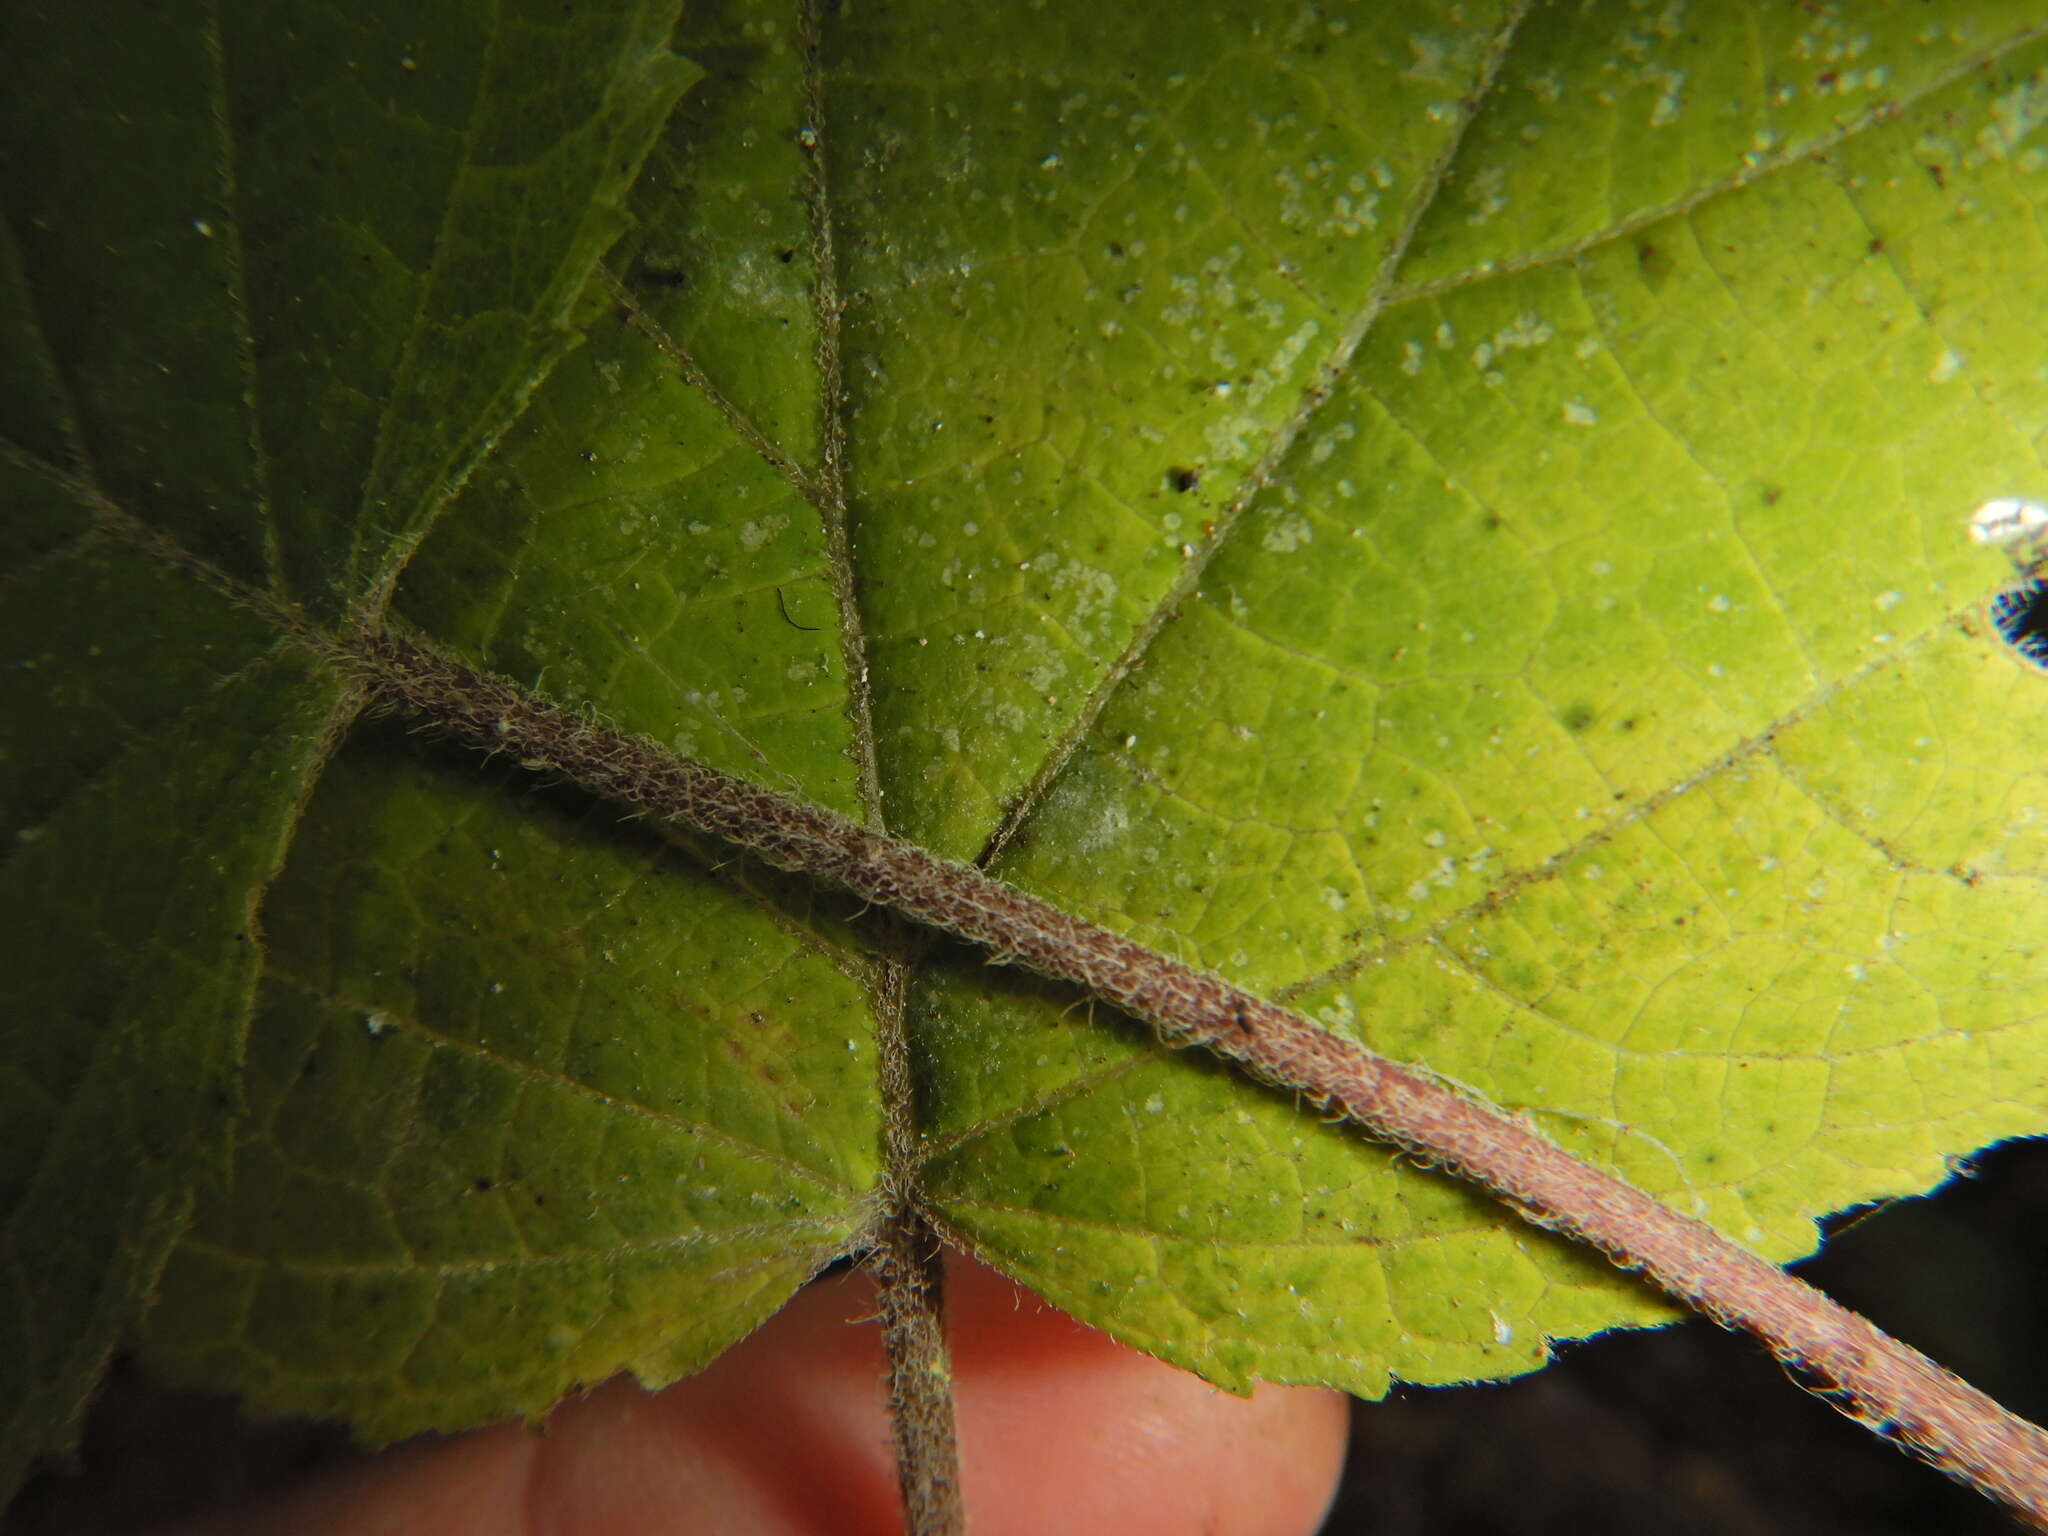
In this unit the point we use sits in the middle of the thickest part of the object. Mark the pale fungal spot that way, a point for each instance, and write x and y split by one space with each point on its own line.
1524 332
1287 534
1503 1330
755 534
1946 367
1580 414
1485 194
374 1024
1671 102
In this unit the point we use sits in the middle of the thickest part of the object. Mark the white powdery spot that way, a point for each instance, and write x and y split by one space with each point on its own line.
754 534
1287 534
1524 332
1485 195
1089 821
1280 366
1230 439
2015 115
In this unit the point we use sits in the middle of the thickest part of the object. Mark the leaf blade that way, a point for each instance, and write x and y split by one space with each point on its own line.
1190 752
1467 832
160 775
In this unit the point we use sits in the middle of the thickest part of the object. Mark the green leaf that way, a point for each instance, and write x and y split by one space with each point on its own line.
1455 520
268 289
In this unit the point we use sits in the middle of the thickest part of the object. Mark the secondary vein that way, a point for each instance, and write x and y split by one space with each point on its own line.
1285 435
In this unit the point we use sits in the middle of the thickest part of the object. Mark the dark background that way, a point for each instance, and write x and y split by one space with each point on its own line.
1690 1431
1684 1431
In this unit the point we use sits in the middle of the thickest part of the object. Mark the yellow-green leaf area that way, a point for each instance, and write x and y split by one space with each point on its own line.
1144 238
626 547
1678 104
1596 709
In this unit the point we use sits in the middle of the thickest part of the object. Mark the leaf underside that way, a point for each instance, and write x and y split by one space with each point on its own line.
1452 519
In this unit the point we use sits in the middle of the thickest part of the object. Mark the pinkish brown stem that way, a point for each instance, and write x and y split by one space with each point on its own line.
1874 1377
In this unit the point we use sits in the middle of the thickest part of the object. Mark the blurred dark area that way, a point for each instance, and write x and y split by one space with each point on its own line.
152 1454
1691 1431
1684 1431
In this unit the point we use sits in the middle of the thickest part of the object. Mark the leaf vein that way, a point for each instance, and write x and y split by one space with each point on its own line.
1230 516
238 299
1808 149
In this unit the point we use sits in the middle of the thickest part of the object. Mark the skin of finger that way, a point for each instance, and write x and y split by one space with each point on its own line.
1060 1428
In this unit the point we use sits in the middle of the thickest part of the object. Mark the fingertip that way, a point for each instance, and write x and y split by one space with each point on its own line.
1063 1428
1059 1428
